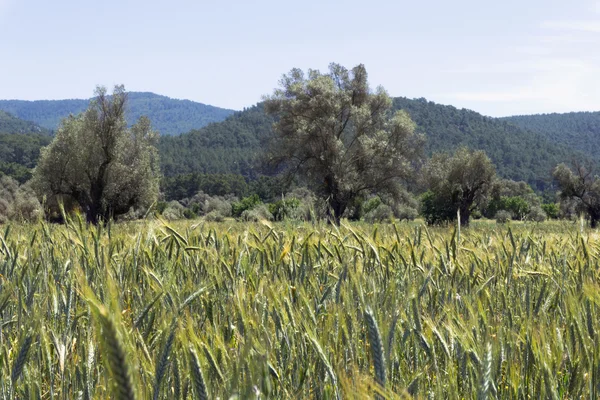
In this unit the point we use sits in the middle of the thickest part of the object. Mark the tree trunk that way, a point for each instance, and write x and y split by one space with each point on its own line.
465 215
594 218
336 210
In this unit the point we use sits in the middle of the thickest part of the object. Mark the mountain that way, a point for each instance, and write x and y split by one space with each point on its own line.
578 130
517 152
20 144
231 146
227 147
168 116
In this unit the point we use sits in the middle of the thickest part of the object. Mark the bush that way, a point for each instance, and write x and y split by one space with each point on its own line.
503 216
285 209
247 203
382 213
536 214
18 202
552 210
406 213
173 211
258 213
214 216
436 209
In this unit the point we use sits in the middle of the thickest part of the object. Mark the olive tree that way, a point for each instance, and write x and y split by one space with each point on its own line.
458 182
99 163
582 187
340 137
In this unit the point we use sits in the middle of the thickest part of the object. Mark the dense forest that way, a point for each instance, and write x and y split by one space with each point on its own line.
169 116
577 130
519 154
20 143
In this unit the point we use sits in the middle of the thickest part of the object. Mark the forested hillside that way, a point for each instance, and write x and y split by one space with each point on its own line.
231 146
20 143
578 130
518 153
11 124
168 116
228 147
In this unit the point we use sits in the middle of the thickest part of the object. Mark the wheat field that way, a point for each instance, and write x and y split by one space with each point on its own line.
195 310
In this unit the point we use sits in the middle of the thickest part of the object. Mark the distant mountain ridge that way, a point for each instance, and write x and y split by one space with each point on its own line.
169 116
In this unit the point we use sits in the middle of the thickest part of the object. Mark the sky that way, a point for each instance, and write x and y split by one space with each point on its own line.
495 57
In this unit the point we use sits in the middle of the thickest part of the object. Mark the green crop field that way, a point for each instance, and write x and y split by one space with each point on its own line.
154 310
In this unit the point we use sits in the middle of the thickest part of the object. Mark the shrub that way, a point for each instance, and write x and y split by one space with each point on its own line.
503 216
247 203
382 213
285 209
214 216
552 210
258 213
536 214
173 211
406 213
436 209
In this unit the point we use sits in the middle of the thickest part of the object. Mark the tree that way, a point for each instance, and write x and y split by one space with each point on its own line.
99 163
339 136
582 187
458 182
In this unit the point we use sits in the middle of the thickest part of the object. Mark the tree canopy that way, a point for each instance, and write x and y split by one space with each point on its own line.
456 182
339 136
581 186
99 163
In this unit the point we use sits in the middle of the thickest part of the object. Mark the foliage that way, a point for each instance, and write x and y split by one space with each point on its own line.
18 202
339 136
519 154
246 203
286 208
577 130
458 182
171 311
169 116
552 210
259 212
96 161
581 187
229 147
536 214
503 216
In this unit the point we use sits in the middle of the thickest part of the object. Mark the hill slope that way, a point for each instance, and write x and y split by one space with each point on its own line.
232 145
518 153
168 116
578 130
20 144
11 124
228 147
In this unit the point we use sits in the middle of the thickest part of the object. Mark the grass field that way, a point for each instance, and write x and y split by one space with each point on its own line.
181 310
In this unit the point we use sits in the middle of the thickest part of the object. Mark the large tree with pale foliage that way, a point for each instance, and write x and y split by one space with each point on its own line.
340 137
458 182
99 163
581 186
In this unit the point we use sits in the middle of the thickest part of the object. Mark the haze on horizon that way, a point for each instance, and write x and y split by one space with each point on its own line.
502 58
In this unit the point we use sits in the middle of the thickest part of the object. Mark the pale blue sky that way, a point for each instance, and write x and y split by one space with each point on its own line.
495 57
